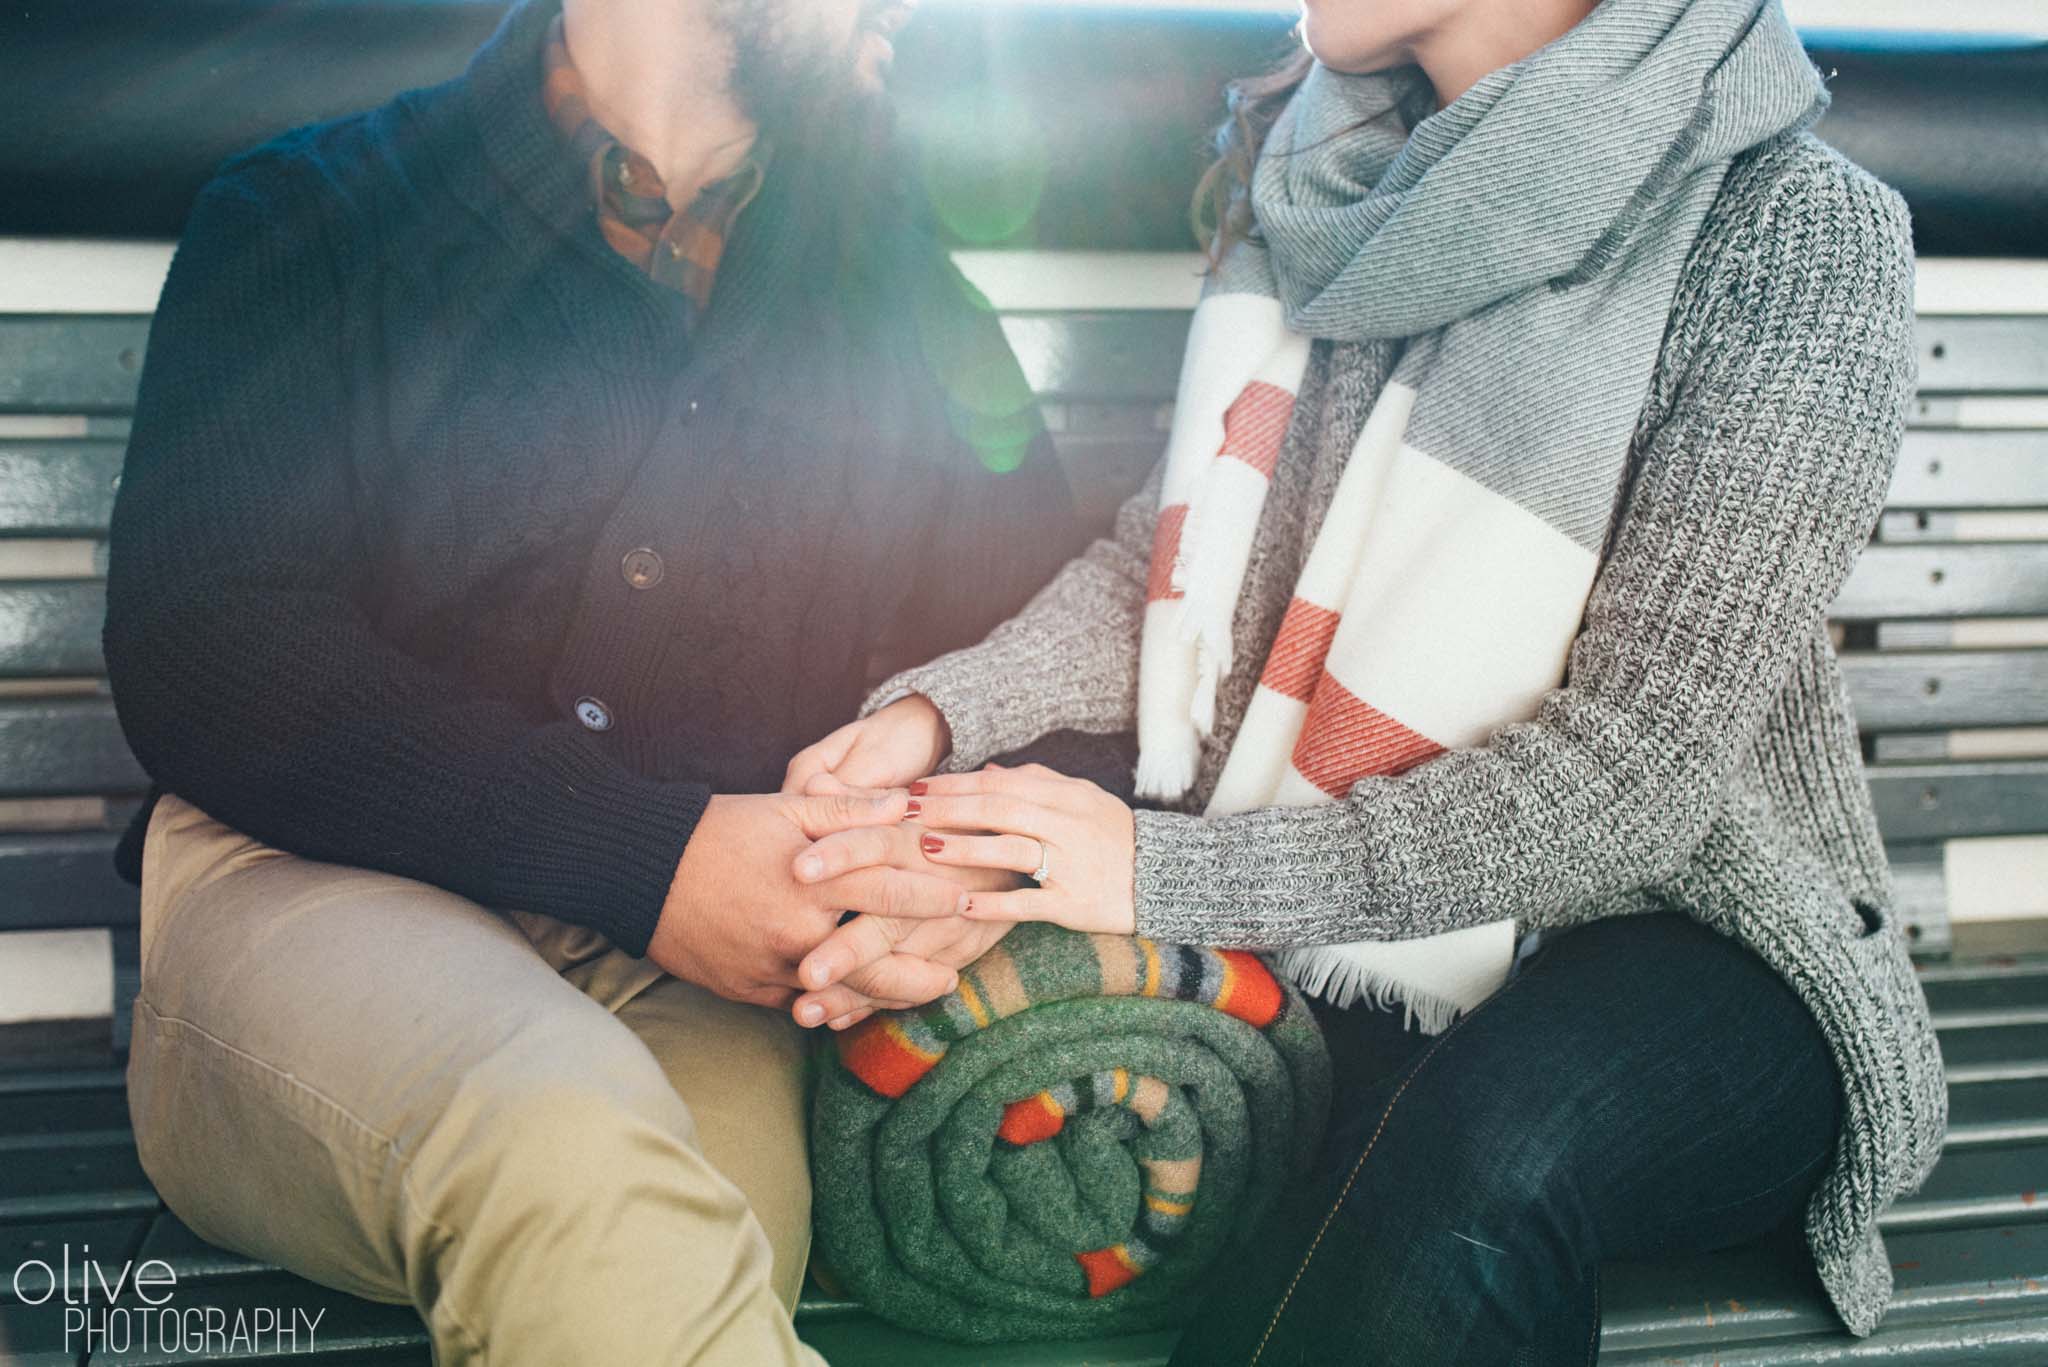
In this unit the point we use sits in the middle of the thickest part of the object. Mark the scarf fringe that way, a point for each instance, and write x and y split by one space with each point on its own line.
1166 768
1338 978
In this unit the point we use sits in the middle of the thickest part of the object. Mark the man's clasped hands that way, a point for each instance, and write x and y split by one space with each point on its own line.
934 866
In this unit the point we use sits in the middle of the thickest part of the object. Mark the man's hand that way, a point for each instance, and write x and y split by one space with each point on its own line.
876 944
876 962
901 742
737 920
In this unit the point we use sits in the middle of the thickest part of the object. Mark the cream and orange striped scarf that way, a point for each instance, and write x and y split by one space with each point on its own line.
1522 246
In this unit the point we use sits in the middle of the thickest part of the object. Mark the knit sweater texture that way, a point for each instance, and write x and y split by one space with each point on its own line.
446 547
1701 753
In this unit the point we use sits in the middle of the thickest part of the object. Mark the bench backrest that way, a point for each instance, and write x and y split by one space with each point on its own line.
1944 624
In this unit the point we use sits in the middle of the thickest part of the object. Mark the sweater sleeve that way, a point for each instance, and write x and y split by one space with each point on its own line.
248 676
1068 661
1767 465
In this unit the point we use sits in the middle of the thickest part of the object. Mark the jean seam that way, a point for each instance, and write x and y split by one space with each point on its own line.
1358 1167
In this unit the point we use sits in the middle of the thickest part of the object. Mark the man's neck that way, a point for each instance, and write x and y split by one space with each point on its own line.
656 75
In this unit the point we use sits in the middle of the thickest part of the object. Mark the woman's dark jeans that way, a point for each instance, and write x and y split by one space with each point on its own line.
1642 1086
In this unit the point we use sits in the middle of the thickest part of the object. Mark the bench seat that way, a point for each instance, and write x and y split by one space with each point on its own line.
1970 1251
1943 632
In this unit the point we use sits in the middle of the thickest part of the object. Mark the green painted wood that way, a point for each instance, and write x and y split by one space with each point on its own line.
2019 1342
51 628
1955 579
863 1341
58 488
67 1078
2017 996
1943 801
70 363
1761 1304
1996 1053
54 1119
1929 690
2008 1112
1993 1185
1983 355
74 1181
51 880
1100 357
111 1240
60 747
1959 468
32 1336
1136 354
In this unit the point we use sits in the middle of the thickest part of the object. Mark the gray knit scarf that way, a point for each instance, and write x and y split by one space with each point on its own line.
1523 246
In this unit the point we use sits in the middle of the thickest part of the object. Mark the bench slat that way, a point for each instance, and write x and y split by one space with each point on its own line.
51 628
1946 580
1977 1186
68 364
58 747
62 879
1100 357
75 1181
1943 801
58 488
1979 355
1959 468
1930 690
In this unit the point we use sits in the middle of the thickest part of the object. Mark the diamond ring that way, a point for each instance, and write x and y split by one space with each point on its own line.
1043 873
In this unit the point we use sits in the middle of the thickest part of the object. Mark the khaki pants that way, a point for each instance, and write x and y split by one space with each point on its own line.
557 1153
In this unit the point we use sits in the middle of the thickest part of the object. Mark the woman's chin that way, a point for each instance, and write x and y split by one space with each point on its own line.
1345 52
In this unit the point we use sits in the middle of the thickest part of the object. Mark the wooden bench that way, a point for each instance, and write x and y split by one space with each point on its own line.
1944 628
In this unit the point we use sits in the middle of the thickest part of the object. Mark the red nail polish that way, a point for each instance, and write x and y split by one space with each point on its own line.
919 788
914 808
932 844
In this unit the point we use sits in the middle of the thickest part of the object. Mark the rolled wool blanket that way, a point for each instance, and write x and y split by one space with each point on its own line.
1063 1145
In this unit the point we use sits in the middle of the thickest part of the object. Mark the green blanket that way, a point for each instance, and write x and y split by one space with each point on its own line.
1063 1145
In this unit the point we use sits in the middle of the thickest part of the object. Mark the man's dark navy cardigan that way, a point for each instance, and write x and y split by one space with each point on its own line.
406 413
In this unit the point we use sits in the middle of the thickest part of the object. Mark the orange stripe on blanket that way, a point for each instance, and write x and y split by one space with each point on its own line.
1299 648
1107 1269
1256 425
1165 546
1032 1119
1249 992
1344 739
878 1053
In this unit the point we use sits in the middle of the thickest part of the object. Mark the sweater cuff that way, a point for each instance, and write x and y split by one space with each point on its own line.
971 723
1177 872
598 846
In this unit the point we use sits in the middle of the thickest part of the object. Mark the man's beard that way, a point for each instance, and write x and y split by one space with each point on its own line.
793 82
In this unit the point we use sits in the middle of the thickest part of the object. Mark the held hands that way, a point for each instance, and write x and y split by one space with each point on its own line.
973 833
737 920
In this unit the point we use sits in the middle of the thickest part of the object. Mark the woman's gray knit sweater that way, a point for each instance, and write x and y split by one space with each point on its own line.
1700 755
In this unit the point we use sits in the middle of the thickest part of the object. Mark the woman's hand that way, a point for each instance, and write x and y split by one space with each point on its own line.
1086 838
898 743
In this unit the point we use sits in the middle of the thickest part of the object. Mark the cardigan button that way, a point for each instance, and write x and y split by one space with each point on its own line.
641 568
593 714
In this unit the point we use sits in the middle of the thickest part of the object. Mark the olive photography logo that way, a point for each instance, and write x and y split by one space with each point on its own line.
109 1309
